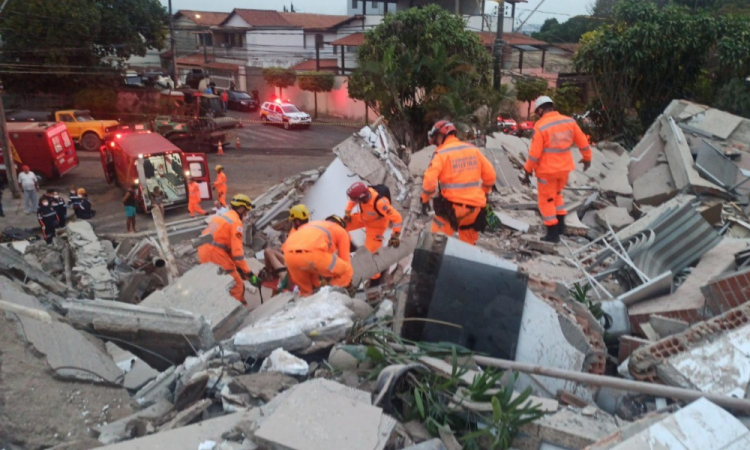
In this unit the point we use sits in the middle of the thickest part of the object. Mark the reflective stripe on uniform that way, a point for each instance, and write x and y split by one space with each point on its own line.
586 148
438 222
533 159
556 150
328 233
560 208
460 185
239 258
455 149
221 246
396 225
428 192
559 122
333 263
548 218
540 180
49 215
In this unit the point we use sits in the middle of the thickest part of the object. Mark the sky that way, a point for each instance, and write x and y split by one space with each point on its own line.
560 9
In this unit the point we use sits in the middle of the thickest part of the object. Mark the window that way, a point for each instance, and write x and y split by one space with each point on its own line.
66 139
196 169
56 143
206 39
355 4
66 118
374 4
335 49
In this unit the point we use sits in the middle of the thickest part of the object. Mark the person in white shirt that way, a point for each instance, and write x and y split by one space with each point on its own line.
29 184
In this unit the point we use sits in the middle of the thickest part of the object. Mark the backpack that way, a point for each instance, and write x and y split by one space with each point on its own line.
383 191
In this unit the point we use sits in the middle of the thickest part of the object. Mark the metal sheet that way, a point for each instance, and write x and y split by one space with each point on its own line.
714 166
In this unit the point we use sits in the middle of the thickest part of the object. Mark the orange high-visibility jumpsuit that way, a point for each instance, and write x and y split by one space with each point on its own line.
551 160
318 250
225 250
373 222
221 188
194 199
466 176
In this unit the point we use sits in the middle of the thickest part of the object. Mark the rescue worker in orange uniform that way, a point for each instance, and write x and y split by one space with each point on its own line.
465 177
376 213
319 249
194 198
220 185
225 249
551 160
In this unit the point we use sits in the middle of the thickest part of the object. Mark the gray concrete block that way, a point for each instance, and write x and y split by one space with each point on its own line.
203 291
666 326
367 264
655 187
118 431
618 218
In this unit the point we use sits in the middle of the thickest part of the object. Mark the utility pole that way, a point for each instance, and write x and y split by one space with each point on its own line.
175 77
10 163
499 45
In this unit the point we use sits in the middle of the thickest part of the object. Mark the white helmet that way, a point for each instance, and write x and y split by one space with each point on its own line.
541 101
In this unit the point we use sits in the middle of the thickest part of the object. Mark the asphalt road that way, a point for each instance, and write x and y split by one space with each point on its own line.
268 155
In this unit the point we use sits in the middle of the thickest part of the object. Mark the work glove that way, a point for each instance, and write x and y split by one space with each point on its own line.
586 165
250 277
394 241
526 180
348 217
426 208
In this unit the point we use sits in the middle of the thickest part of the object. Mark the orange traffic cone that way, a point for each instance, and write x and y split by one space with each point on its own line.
221 149
237 143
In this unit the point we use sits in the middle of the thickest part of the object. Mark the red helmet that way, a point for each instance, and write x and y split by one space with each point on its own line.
444 127
358 192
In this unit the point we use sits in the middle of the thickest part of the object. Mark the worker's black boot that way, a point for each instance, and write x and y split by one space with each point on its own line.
553 234
561 225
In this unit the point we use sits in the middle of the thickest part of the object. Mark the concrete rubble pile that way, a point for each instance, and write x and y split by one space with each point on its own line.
612 337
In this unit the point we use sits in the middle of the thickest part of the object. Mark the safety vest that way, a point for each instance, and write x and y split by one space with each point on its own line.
550 150
194 193
221 182
464 173
320 236
226 243
370 211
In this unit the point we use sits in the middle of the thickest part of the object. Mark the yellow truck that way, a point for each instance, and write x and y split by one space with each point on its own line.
84 129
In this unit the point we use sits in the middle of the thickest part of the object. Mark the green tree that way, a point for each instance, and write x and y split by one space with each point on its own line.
649 55
568 100
280 77
60 46
316 82
529 89
569 31
734 97
420 65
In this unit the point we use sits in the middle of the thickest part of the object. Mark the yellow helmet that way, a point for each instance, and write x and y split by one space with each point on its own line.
299 212
218 167
241 200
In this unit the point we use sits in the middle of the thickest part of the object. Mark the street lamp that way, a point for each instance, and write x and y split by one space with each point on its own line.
205 49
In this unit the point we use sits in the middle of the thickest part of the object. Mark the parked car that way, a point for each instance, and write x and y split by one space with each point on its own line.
88 132
284 113
241 101
507 125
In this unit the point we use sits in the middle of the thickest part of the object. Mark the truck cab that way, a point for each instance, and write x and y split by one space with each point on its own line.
150 160
84 129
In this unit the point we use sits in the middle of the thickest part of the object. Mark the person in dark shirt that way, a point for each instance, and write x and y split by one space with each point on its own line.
61 209
83 210
47 218
129 200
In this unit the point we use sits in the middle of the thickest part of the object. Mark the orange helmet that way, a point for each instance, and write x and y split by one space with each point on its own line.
444 127
358 192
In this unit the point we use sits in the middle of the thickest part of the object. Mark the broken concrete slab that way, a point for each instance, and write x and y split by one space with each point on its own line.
203 291
618 218
646 154
69 353
170 333
284 362
120 430
91 261
572 429
681 162
512 223
11 260
324 420
665 326
616 182
158 389
263 385
515 148
308 324
714 123
421 160
655 187
366 264
191 436
187 415
506 173
701 425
